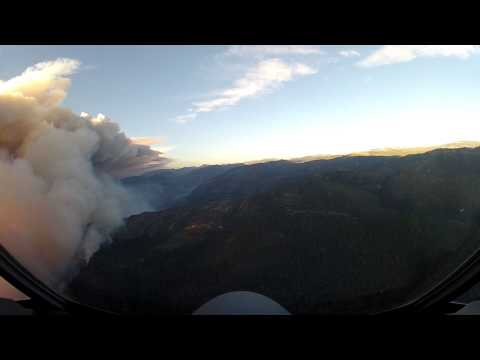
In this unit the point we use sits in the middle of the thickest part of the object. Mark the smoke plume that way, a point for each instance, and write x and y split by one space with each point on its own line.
59 198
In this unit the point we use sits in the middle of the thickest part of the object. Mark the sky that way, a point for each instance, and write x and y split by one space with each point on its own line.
233 103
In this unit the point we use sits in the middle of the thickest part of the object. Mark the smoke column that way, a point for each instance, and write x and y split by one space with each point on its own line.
59 198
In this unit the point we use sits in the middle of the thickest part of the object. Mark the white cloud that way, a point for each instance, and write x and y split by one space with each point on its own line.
261 50
302 69
393 54
349 53
183 119
265 76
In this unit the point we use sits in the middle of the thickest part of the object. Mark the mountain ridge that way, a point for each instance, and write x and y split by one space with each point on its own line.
347 235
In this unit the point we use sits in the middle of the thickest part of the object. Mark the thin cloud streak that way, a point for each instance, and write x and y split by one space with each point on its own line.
394 54
264 77
349 53
264 50
183 119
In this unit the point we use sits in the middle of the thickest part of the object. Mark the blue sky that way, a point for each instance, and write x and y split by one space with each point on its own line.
220 104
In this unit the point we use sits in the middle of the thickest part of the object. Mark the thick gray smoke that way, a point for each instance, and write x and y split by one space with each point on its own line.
59 200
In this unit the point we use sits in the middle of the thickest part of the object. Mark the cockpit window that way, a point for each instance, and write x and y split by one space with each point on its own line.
151 179
7 291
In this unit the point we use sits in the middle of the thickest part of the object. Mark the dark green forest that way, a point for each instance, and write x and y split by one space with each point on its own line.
354 234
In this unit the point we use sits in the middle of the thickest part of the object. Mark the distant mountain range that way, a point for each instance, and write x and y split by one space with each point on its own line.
170 187
394 151
356 233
